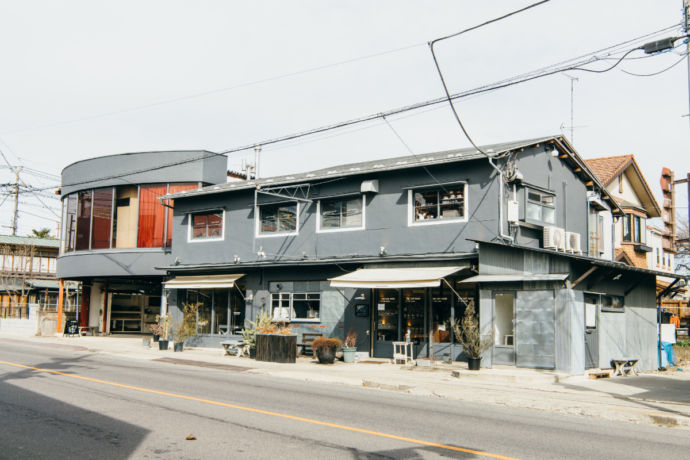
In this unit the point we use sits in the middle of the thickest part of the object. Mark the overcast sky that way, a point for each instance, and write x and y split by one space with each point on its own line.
81 79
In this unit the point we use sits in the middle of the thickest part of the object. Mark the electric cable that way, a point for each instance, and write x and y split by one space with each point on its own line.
656 73
539 73
443 80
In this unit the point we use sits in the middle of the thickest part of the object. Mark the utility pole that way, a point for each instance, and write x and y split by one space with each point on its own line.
16 201
572 105
686 26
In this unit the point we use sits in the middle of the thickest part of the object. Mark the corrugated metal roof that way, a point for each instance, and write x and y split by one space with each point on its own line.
516 277
30 241
386 164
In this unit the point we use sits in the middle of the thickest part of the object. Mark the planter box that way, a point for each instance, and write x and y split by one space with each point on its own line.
276 348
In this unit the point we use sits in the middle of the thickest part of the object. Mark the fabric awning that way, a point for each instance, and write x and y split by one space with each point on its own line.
516 277
203 281
393 278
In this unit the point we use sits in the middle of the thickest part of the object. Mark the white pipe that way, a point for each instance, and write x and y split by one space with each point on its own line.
500 202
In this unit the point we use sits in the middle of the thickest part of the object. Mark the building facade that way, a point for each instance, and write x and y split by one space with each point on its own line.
397 249
115 231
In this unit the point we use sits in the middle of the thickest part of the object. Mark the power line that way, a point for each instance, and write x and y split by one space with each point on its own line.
216 91
569 64
656 73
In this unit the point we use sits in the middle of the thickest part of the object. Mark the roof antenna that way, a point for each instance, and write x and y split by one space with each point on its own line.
572 113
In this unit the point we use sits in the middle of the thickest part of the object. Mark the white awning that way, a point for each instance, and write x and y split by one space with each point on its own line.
393 278
203 281
516 277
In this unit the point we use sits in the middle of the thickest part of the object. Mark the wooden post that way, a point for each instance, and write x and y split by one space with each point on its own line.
105 308
61 297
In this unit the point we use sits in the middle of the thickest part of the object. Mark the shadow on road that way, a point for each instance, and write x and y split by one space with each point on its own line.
36 426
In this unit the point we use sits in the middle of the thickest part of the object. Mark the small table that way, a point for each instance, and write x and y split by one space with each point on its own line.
402 351
235 347
624 366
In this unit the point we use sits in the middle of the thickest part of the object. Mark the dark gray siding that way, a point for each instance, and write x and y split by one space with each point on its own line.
97 172
118 262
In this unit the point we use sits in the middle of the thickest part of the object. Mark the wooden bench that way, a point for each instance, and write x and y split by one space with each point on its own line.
624 366
307 339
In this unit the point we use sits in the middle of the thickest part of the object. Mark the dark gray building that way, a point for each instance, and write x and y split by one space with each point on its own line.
116 231
399 248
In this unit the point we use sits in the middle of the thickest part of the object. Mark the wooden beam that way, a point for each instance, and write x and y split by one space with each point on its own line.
577 170
583 276
600 277
589 183
563 155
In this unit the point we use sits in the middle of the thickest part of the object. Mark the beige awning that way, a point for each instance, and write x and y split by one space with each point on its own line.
393 278
203 281
516 277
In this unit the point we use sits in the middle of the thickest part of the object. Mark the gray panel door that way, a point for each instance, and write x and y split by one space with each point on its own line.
535 340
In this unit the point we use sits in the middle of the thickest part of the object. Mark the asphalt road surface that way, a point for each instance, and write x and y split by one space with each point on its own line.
64 402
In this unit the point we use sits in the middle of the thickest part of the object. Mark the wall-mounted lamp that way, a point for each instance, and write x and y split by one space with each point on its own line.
236 258
617 277
261 253
382 251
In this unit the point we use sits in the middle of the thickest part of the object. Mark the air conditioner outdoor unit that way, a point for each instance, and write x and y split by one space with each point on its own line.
572 242
554 238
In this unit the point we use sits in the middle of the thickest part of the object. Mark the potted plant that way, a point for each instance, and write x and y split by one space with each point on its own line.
163 324
325 348
350 346
468 333
156 330
187 327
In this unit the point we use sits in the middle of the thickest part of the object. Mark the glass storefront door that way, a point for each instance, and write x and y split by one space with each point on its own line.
386 317
413 303
441 321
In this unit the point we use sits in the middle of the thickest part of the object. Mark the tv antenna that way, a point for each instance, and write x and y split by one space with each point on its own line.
572 105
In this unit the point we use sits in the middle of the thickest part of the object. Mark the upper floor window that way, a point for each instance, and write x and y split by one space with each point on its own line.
297 306
128 216
540 206
278 219
634 228
206 225
341 214
441 204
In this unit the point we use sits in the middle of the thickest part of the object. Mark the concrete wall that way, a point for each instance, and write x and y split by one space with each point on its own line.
24 327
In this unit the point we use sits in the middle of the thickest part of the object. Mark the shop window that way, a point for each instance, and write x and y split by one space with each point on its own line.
297 306
441 303
83 221
540 206
102 212
152 215
341 214
439 205
206 225
278 219
125 217
504 324
387 315
413 311
70 222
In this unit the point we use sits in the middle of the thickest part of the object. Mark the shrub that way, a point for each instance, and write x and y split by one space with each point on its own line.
351 339
324 343
683 343
467 332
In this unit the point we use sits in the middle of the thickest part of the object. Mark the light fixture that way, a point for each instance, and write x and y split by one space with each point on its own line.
236 258
617 277
382 251
261 253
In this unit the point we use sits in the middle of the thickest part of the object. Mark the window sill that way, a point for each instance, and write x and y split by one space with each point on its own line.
420 223
204 240
305 320
612 310
275 235
339 230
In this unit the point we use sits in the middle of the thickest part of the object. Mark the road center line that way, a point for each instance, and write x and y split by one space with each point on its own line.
264 412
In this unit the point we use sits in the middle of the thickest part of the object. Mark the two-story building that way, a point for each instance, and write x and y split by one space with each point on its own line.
115 231
400 247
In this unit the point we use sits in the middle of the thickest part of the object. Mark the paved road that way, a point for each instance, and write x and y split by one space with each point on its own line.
99 406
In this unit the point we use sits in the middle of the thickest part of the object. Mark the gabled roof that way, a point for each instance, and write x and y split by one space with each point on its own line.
405 162
30 241
609 168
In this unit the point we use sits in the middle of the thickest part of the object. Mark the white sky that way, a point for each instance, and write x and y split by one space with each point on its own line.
81 79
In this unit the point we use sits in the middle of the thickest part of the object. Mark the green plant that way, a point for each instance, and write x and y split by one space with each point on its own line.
162 325
324 343
351 339
156 329
468 333
187 327
683 343
263 325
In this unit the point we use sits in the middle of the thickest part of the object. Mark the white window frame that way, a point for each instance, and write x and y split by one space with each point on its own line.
190 230
319 229
291 318
541 193
257 219
411 222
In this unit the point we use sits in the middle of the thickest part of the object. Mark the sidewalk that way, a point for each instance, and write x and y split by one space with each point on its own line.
652 398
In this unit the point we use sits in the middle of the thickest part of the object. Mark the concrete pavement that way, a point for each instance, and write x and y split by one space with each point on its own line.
660 398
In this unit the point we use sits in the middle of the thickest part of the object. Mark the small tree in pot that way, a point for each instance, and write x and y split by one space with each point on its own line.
162 326
188 326
468 333
350 347
325 348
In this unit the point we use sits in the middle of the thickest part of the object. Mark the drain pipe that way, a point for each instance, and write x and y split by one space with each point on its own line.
500 201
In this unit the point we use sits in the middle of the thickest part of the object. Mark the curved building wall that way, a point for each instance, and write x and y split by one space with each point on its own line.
113 222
